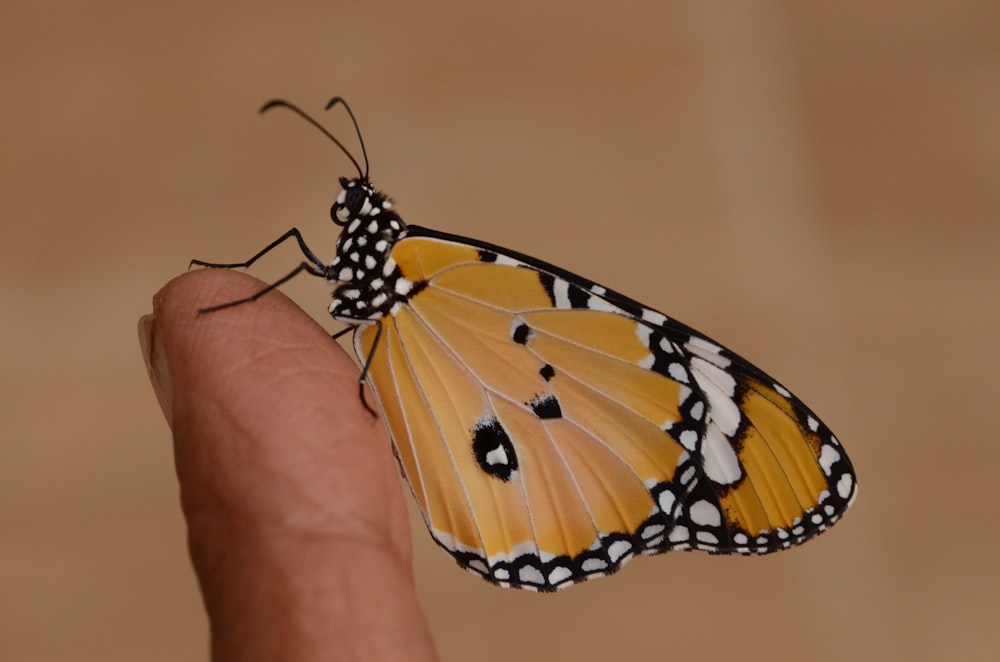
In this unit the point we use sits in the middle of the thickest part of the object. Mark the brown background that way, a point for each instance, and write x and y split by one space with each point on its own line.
818 187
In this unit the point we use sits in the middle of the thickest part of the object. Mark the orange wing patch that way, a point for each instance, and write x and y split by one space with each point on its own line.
784 478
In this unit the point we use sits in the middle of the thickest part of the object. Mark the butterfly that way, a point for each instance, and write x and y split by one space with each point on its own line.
550 428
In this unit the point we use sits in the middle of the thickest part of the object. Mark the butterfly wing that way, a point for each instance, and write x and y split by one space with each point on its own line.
551 429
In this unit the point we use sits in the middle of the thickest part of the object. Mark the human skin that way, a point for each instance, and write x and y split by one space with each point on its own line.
297 526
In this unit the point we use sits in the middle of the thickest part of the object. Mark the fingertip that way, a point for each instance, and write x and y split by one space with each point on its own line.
287 483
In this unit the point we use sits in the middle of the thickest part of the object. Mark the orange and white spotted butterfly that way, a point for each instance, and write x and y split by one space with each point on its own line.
550 428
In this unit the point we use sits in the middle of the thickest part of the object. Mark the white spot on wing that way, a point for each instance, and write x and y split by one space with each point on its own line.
845 485
689 439
559 574
653 317
718 387
530 575
719 378
828 457
704 513
618 549
497 456
506 259
678 373
719 459
642 332
560 289
706 536
652 530
709 351
678 534
597 303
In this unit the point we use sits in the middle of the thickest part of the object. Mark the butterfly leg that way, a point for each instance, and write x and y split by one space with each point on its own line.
368 364
305 266
314 266
343 332
294 232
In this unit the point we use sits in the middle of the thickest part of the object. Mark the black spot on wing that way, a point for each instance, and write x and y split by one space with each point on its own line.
493 449
578 298
547 372
545 405
487 256
548 282
521 334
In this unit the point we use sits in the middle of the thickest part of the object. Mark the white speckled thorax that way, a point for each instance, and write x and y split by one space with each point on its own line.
367 281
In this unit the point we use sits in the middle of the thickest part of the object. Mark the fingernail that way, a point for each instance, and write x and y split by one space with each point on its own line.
156 365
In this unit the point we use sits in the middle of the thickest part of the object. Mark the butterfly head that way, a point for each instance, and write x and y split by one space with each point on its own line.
358 199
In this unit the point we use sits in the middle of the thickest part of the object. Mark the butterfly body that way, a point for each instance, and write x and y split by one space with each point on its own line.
550 428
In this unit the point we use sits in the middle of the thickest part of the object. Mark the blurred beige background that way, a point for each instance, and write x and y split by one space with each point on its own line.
815 186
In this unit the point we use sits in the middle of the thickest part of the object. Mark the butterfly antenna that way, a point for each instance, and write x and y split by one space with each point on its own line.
301 113
333 102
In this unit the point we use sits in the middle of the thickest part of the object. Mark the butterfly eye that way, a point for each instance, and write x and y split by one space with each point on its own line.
351 203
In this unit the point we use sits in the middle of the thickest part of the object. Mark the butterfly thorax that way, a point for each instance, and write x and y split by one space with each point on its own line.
368 282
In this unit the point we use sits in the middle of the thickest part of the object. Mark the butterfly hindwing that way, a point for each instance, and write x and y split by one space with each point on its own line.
551 429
